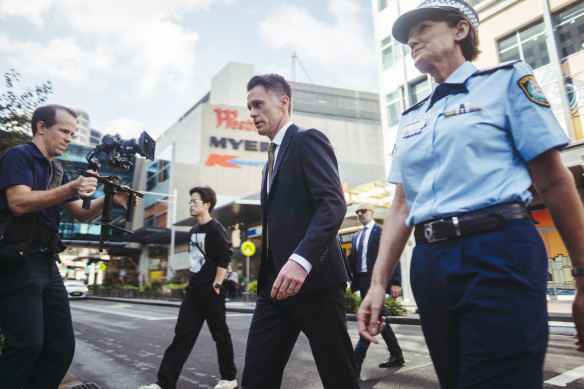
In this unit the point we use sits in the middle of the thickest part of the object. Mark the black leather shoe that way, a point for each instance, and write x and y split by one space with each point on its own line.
394 360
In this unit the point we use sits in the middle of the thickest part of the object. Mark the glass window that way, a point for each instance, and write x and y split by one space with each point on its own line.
419 90
382 4
394 103
387 57
527 44
569 28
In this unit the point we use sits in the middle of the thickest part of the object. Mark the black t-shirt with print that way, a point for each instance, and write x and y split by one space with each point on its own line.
213 240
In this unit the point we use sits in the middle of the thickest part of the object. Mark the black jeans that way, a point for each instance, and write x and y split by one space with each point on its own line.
36 322
198 305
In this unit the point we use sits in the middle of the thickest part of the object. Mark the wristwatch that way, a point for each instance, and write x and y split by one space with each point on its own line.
577 271
217 285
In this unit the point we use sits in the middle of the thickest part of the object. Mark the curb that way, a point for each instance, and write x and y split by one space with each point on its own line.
559 323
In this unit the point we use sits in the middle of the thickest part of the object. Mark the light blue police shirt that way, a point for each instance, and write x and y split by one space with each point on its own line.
469 150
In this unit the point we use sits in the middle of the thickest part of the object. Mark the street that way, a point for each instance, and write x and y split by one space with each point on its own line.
120 346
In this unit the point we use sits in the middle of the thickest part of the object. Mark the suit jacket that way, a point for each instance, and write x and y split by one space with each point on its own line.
303 210
372 249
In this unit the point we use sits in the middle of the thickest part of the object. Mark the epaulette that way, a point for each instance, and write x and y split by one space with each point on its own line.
504 65
417 105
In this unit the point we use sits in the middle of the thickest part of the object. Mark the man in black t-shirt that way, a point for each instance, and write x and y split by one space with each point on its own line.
209 253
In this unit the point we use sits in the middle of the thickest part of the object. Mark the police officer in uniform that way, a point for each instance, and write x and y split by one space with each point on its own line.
463 163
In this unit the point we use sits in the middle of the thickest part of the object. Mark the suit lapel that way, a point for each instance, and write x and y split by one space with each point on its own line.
282 152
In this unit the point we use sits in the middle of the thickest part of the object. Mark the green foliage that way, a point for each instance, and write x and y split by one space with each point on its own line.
352 301
18 104
156 285
252 287
10 139
177 287
394 307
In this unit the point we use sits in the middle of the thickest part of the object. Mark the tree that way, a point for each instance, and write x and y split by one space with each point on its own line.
16 109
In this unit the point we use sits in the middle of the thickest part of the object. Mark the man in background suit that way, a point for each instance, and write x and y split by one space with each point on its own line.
361 260
302 276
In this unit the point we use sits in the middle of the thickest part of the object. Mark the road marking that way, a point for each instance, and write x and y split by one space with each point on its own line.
238 314
404 369
567 377
134 315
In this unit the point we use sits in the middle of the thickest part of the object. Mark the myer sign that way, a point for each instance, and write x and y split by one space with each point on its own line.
228 119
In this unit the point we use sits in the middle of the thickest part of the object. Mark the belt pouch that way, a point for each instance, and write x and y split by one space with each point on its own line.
16 240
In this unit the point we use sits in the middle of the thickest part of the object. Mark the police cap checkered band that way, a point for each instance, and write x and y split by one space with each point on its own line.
403 24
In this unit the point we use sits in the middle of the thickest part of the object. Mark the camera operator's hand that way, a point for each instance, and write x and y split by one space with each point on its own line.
85 186
121 199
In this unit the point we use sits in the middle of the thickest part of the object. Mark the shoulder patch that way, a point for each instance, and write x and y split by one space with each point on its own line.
504 65
532 90
417 105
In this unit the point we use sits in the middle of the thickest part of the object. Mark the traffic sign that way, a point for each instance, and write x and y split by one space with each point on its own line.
248 248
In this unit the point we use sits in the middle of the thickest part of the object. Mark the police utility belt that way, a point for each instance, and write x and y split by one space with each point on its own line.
483 220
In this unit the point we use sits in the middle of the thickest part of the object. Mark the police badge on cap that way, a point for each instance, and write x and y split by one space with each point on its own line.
403 24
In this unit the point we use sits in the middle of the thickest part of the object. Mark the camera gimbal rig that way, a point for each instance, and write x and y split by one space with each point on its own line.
119 152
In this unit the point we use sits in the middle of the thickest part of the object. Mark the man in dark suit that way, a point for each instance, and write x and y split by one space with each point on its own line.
361 260
302 276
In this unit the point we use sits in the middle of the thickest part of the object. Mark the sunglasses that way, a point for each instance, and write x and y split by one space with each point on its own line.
361 211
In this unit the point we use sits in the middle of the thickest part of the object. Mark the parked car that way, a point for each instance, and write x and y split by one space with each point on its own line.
76 289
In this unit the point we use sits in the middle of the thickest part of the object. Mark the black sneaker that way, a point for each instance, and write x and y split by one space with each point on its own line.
394 360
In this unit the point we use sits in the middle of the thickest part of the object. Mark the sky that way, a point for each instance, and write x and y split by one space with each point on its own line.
136 65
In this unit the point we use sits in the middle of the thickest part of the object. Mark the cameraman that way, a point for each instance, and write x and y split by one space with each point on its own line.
34 308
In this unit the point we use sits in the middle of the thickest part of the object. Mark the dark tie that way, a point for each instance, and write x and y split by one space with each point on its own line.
444 90
360 250
271 150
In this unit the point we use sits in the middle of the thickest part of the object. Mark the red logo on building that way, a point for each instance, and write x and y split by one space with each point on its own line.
229 117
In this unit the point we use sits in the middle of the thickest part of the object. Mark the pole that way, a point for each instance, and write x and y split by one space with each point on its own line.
557 69
172 233
247 279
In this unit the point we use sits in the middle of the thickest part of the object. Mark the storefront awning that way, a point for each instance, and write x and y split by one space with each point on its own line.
157 235
246 211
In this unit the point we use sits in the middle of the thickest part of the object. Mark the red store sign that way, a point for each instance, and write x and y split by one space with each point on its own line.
229 117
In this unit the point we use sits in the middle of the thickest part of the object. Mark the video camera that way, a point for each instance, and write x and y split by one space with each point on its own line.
119 155
119 151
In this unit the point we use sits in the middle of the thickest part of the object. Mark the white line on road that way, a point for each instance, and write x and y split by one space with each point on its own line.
238 314
567 377
95 309
404 369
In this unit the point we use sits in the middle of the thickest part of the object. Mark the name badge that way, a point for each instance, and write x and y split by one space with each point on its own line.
415 127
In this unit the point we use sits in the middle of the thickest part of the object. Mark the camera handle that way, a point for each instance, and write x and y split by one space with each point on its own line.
93 164
111 185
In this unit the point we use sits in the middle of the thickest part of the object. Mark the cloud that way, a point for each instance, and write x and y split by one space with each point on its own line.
342 47
109 40
127 127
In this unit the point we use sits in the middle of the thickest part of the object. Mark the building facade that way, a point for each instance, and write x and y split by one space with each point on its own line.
83 132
